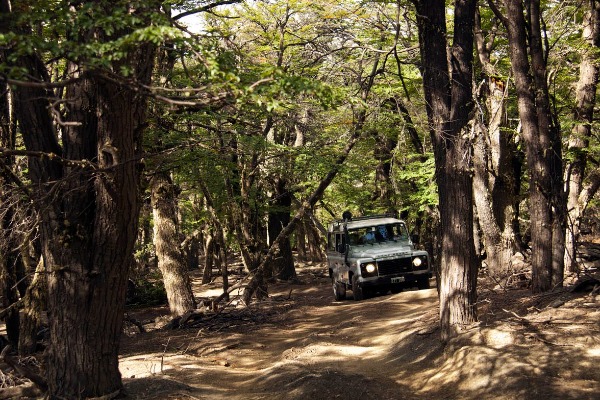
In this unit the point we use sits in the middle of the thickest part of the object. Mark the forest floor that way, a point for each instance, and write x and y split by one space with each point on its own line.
301 344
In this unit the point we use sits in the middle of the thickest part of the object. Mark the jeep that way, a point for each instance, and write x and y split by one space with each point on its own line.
374 254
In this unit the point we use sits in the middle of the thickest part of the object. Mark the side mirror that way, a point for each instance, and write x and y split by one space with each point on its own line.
415 239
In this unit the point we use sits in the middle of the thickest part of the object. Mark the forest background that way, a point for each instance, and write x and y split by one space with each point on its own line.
131 145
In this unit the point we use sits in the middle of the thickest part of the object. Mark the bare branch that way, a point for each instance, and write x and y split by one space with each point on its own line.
205 8
42 85
52 156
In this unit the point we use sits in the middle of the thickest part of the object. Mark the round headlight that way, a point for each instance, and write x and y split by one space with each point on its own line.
370 268
417 261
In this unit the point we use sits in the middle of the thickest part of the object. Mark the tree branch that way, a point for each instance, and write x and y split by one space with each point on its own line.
4 151
205 8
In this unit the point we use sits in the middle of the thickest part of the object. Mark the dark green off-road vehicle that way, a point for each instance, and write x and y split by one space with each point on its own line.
374 254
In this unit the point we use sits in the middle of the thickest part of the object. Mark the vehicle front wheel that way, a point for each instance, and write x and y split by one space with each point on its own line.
339 290
357 291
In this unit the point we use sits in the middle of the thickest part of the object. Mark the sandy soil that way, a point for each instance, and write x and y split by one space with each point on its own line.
301 344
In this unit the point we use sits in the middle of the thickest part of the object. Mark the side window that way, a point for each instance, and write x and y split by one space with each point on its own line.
331 241
340 242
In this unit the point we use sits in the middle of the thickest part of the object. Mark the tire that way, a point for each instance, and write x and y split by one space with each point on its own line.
339 290
423 283
357 291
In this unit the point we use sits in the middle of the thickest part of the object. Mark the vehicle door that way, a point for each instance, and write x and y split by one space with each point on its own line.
336 255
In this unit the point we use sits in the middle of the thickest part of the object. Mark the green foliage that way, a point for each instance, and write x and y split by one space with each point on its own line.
149 290
419 176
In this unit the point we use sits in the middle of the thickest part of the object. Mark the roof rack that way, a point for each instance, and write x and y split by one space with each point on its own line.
387 215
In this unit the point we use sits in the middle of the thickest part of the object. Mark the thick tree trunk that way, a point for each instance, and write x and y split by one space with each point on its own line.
542 144
171 260
88 238
449 101
89 218
579 138
498 251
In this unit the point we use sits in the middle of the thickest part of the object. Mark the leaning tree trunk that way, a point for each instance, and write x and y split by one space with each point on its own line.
171 260
579 138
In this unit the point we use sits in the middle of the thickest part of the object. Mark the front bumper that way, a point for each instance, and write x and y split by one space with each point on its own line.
394 280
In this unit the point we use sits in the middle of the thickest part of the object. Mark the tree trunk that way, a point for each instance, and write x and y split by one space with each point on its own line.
192 251
449 103
219 238
171 260
541 140
495 189
89 218
314 231
384 146
8 276
88 238
579 138
34 303
9 294
282 266
301 242
494 185
209 260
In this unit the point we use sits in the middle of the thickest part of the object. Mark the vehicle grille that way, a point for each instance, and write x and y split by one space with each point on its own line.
390 267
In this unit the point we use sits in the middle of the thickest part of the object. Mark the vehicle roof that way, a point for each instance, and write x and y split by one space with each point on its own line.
365 222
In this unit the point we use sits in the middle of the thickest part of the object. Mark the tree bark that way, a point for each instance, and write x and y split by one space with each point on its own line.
34 303
384 146
449 103
89 215
209 260
541 140
167 240
494 184
282 266
579 138
8 276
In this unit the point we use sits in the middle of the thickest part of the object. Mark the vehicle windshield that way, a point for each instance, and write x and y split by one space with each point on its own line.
378 234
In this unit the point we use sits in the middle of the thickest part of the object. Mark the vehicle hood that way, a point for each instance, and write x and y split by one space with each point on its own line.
381 251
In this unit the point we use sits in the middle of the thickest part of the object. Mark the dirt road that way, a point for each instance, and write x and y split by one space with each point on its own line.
300 344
